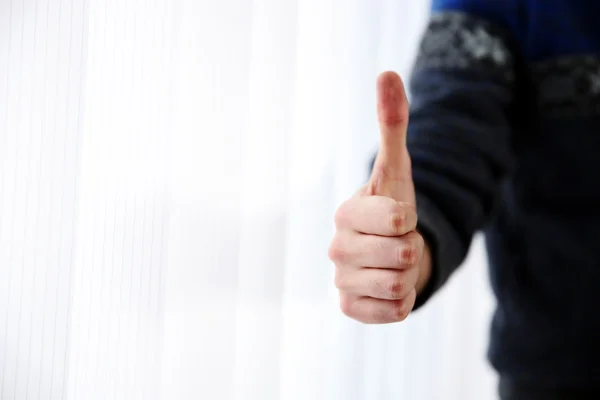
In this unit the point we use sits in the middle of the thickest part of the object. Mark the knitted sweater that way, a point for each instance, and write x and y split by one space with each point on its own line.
504 137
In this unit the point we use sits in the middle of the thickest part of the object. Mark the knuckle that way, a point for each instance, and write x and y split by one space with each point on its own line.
398 219
342 214
390 288
395 288
400 311
403 218
336 251
408 254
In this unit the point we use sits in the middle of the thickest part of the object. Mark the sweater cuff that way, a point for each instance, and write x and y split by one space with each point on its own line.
446 248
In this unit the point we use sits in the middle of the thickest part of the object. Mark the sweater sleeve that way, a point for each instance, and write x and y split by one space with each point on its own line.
462 92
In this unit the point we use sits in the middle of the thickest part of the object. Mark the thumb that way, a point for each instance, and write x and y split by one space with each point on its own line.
391 175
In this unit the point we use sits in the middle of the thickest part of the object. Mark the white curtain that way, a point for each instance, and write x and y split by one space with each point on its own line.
169 170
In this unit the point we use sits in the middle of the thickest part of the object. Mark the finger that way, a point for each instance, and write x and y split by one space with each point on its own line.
376 311
386 284
391 174
358 250
376 215
392 114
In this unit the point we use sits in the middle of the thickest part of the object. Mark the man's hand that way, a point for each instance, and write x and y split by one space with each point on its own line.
381 261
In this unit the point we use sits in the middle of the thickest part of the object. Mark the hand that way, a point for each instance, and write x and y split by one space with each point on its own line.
380 259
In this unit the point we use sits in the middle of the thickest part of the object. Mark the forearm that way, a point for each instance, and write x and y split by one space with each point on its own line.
458 140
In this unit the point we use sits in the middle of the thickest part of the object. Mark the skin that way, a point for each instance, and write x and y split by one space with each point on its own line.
381 261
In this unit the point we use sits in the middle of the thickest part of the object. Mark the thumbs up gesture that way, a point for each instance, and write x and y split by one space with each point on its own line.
381 261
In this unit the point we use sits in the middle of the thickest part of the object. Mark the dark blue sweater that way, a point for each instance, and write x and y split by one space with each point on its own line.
504 137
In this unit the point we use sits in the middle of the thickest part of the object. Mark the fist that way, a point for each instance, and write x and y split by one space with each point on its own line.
376 250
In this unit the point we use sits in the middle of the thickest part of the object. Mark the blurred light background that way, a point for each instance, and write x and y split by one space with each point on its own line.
169 170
